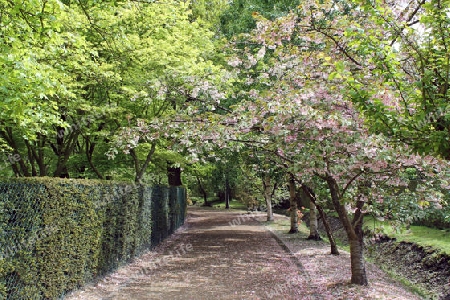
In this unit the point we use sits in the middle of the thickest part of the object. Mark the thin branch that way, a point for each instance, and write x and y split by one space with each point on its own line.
351 181
190 98
340 47
414 13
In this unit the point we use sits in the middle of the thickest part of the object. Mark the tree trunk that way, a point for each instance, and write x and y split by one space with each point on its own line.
65 145
268 197
313 226
293 206
357 224
36 155
356 248
227 194
174 175
203 191
23 167
140 170
311 196
357 263
40 156
17 163
31 158
90 146
328 230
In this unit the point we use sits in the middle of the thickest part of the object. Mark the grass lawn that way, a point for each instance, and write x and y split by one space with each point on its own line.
214 201
421 235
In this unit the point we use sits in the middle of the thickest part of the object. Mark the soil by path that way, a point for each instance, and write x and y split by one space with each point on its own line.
209 258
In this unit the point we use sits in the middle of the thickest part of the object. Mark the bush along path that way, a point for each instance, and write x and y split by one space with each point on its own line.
221 254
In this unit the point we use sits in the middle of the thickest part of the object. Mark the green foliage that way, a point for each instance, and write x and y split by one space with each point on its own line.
435 217
239 17
208 12
59 234
79 73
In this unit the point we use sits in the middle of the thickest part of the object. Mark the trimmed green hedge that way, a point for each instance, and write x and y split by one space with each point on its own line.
160 215
56 235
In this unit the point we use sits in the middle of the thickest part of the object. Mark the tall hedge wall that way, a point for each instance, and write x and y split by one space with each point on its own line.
56 235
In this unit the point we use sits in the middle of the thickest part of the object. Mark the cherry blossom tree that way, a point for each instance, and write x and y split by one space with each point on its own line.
393 58
306 118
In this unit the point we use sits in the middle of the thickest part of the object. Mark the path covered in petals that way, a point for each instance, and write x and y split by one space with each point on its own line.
220 254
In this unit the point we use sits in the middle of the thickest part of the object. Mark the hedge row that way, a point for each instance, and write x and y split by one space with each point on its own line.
56 235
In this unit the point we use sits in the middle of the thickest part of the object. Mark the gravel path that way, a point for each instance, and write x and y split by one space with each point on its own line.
222 254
